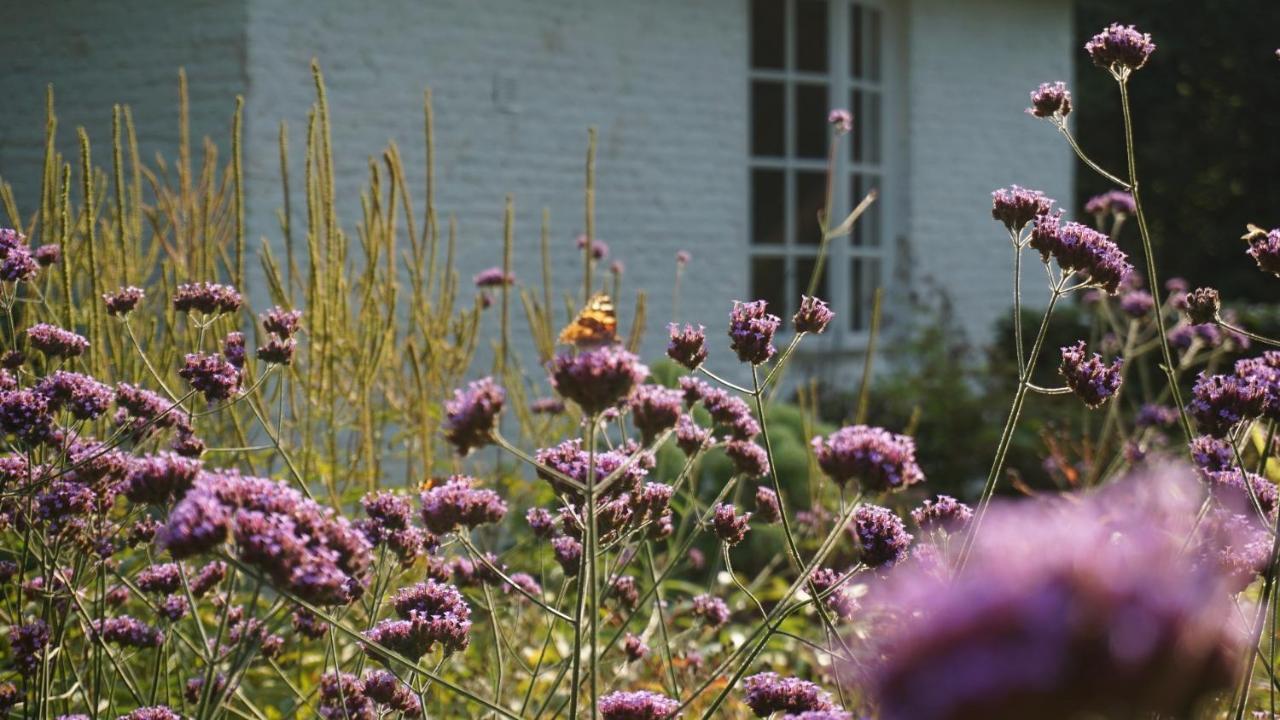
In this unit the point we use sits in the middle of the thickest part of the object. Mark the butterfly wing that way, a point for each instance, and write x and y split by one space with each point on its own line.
596 324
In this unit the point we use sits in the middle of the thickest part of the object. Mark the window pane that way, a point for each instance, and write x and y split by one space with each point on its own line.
873 45
769 282
855 41
811 121
804 271
871 127
767 119
768 25
811 196
867 230
859 122
856 193
768 200
811 35
857 299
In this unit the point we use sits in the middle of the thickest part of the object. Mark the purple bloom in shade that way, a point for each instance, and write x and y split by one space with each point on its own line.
637 705
748 458
690 437
410 543
730 412
1236 492
153 712
387 510
493 277
525 582
160 579
208 577
634 647
25 414
1051 100
943 513
654 410
835 593
813 315
472 415
878 459
211 375
683 257
430 612
174 608
148 407
55 342
768 509
841 120
879 535
123 301
81 395
455 503
26 646
730 527
751 331
309 624
1212 454
568 552
195 687
1220 402
768 693
597 379
1089 608
1152 415
385 688
711 610
1202 306
342 697
1120 49
1092 380
1265 372
277 351
541 522
694 390
1081 250
207 298
233 348
1016 206
1264 248
1112 202
19 266
1137 304
626 590
7 380
1184 336
1236 545
1176 285
687 346
281 322
186 444
599 250
128 631
568 458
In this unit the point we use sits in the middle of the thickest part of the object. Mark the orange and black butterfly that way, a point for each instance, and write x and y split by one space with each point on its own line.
596 324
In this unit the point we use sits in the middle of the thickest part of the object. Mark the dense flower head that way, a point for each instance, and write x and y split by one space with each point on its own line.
55 342
637 705
124 300
456 503
598 378
472 415
26 645
729 526
1153 415
691 438
233 348
1264 248
128 631
342 697
768 508
1043 619
879 535
1091 379
387 510
751 331
147 407
813 316
835 591
841 120
626 590
1112 202
277 350
569 459
1220 402
878 459
151 712
599 249
212 375
711 610
208 577
300 545
1081 249
943 513
493 277
174 607
282 322
1237 491
568 553
1016 206
768 693
82 396
634 646
1051 100
25 414
18 265
1236 544
160 579
748 458
207 298
308 624
687 346
1120 48
1137 304
654 410
430 613
385 688
541 522
1202 306
683 257
1184 336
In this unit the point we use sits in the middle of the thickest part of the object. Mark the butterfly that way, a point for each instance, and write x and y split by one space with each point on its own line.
596 324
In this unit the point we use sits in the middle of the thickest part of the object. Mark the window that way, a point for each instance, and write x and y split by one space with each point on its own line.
807 57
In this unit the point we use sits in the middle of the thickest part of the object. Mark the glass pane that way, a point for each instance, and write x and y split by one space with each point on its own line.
857 299
867 230
855 41
871 127
859 122
811 121
767 119
769 282
856 192
811 35
804 271
811 196
768 200
768 27
873 44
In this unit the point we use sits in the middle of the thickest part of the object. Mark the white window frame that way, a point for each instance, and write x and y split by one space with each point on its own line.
885 214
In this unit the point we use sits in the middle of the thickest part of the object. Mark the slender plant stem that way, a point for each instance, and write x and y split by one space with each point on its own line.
1062 127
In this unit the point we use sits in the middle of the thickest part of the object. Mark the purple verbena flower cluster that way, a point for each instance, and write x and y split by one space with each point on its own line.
751 331
472 415
878 459
597 378
1091 379
1082 250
